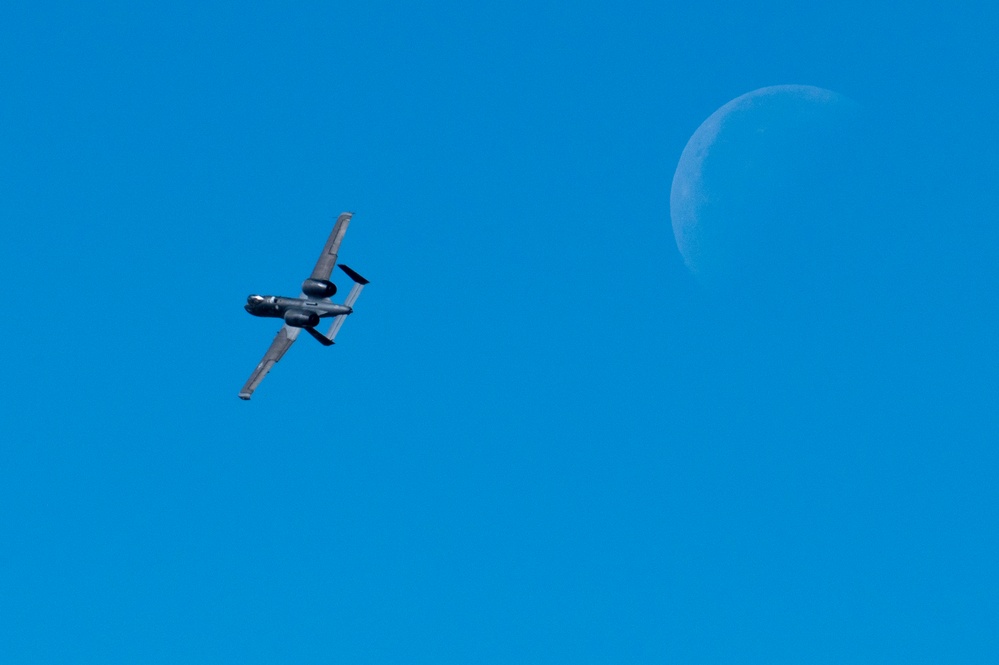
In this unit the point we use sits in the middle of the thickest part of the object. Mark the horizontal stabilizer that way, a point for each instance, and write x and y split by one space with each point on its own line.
355 291
335 328
353 275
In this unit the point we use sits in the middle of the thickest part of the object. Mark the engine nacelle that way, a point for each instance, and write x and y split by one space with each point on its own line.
299 319
318 288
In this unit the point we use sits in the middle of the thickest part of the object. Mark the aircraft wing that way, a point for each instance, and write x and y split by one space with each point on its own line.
324 266
285 338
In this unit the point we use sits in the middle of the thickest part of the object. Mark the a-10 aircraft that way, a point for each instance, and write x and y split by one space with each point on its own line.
305 311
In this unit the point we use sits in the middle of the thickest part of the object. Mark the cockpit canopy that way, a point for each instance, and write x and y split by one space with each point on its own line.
255 300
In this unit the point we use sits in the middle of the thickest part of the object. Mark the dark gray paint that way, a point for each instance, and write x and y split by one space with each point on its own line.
324 266
278 306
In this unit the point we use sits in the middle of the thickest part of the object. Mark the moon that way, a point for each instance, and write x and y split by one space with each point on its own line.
764 202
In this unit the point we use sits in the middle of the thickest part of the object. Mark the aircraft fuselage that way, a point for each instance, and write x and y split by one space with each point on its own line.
277 306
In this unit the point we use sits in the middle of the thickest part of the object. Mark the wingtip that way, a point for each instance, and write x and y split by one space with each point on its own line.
244 396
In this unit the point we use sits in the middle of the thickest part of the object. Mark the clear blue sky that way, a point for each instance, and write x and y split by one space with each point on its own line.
536 441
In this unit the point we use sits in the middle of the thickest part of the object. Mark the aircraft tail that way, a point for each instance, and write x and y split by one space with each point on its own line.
359 284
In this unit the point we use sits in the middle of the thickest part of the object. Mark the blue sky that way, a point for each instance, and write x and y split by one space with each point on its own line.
538 439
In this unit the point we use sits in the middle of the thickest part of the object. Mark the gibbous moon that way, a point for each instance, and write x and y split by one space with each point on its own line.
765 198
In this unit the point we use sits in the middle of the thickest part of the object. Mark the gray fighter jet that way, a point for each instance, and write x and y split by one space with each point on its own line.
305 311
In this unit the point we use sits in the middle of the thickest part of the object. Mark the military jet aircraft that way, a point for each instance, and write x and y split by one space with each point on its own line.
305 311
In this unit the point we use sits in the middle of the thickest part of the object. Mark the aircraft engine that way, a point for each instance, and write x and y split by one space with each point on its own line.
299 319
318 288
